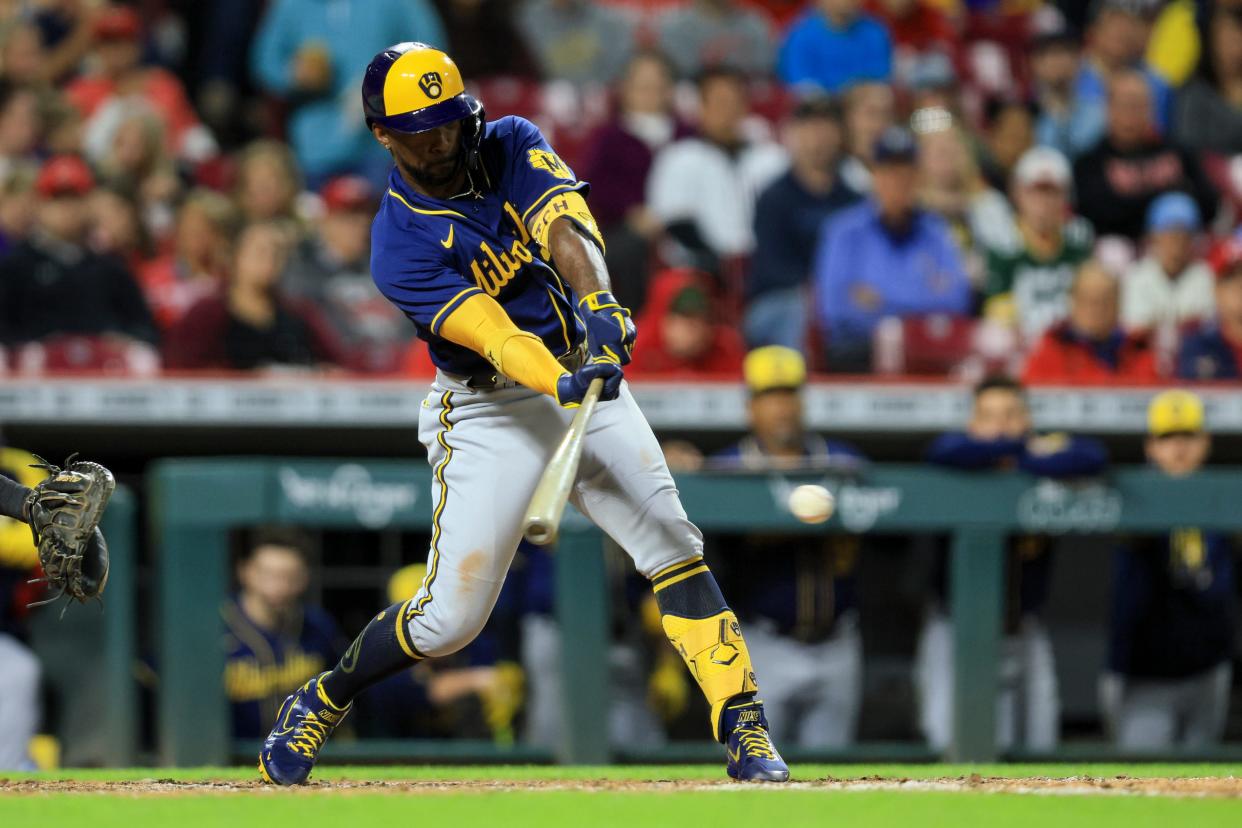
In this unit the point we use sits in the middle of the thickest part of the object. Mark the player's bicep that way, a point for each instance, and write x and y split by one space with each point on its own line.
538 173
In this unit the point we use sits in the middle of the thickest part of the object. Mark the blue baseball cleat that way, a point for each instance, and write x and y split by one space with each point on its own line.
304 723
752 756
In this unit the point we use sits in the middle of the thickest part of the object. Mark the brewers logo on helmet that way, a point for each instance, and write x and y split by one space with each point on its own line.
413 87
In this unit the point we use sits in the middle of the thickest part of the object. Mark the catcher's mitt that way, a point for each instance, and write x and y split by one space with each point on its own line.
63 512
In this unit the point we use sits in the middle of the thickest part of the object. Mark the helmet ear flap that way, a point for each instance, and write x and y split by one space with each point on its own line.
472 131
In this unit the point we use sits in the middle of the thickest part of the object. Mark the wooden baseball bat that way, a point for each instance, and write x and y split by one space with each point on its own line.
547 504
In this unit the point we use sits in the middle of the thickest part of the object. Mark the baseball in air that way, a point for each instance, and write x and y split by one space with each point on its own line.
810 503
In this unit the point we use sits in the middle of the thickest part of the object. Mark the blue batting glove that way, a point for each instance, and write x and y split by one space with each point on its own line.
571 388
610 330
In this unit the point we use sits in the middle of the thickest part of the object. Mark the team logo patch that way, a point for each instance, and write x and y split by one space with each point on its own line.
431 84
549 162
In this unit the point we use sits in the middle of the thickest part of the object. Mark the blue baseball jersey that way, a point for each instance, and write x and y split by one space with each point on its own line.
430 255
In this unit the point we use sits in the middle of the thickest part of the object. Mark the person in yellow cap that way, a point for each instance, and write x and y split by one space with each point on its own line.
797 594
1171 638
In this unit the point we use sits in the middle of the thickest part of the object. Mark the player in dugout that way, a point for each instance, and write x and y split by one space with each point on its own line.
1174 609
999 435
798 594
485 241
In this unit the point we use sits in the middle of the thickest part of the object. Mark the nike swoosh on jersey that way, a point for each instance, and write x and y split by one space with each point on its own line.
447 243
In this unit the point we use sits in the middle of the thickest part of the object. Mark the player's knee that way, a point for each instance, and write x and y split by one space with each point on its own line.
445 636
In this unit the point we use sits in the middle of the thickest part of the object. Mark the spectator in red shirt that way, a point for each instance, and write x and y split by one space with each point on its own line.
1090 346
250 325
195 266
120 76
681 331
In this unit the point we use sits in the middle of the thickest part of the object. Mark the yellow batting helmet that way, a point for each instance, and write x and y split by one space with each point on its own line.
413 87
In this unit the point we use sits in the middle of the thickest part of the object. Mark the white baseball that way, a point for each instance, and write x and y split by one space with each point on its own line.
810 503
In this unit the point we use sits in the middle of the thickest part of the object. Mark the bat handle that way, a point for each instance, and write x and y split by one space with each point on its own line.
547 504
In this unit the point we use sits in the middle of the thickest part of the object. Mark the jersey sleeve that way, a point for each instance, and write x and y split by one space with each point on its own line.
416 277
538 175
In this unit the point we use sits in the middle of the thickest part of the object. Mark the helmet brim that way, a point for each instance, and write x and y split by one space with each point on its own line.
437 115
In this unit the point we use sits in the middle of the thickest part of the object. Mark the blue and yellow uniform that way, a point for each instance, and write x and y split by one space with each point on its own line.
262 666
431 255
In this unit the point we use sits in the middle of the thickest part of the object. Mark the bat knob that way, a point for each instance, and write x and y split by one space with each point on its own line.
540 532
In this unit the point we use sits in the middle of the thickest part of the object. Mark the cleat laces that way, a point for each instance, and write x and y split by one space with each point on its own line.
756 741
309 735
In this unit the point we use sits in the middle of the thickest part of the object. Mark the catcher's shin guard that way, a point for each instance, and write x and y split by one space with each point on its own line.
706 634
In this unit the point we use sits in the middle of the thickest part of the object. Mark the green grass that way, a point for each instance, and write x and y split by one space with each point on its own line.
752 806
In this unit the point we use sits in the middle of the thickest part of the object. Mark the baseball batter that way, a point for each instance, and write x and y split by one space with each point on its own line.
485 241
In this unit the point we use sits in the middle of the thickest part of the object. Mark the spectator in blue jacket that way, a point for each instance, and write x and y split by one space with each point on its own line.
799 593
1213 351
834 45
885 257
999 436
312 54
1174 605
788 218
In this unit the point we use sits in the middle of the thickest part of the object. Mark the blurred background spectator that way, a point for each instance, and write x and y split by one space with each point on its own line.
885 257
311 55
275 642
1117 36
1209 106
952 186
1117 180
618 163
834 45
870 108
330 270
1090 344
53 285
1171 285
195 260
1213 350
249 324
709 33
1174 610
684 333
121 83
703 188
1029 275
576 40
788 218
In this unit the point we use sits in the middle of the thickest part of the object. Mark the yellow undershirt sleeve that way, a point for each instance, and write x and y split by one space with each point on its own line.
570 205
481 324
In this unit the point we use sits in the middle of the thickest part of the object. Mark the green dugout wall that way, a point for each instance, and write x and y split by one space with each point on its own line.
195 503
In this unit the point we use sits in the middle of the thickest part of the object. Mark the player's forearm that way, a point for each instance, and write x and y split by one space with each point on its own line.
13 499
578 259
482 325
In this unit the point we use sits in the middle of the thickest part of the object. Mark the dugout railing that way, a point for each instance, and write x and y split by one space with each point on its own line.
195 504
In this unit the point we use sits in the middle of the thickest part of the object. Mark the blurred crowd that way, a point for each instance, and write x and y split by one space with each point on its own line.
943 187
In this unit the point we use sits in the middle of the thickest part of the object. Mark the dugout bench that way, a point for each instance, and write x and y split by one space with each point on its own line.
196 503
